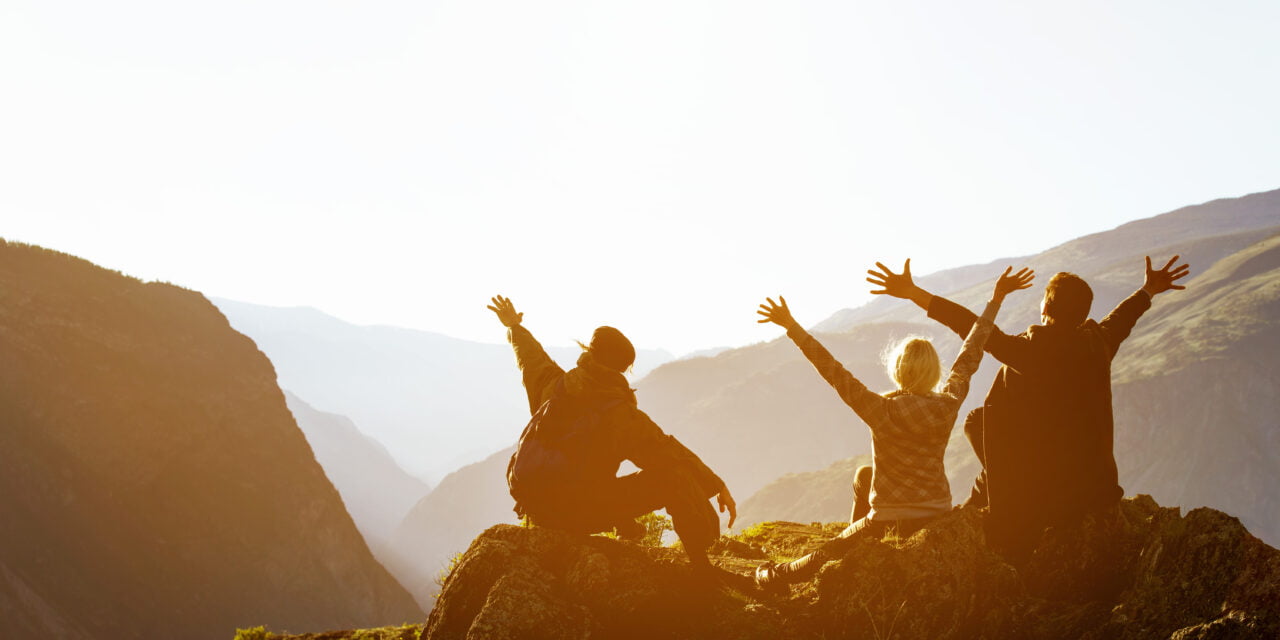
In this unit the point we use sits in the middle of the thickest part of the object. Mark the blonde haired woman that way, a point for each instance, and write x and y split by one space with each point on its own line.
906 486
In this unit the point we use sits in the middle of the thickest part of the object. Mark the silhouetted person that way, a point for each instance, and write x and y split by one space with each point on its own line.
566 476
1046 428
906 486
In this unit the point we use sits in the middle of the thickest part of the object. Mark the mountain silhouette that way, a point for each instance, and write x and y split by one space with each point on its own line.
153 483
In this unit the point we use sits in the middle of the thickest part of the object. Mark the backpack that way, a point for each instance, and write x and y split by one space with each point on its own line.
554 448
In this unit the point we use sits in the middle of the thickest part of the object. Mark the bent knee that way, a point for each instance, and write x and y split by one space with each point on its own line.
862 477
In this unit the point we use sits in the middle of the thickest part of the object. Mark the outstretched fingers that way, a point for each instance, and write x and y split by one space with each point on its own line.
767 312
776 312
1024 277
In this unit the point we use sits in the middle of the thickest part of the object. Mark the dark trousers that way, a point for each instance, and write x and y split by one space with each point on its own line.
973 432
860 526
602 505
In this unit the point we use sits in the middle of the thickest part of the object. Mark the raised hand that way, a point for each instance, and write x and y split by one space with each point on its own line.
777 313
898 285
506 311
1007 284
726 502
1159 281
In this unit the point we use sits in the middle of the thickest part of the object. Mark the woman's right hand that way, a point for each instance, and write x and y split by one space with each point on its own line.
1007 283
777 313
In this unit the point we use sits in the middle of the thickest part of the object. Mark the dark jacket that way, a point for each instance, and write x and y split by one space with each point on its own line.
629 433
1047 424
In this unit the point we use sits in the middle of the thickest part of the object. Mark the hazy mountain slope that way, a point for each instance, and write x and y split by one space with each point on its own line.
813 496
375 490
152 481
759 412
1198 394
443 523
436 402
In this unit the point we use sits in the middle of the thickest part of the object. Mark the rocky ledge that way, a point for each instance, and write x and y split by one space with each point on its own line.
1158 574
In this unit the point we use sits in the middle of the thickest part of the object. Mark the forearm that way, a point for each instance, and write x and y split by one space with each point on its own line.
645 444
921 297
828 367
529 352
868 404
537 369
951 315
971 352
1119 323
709 484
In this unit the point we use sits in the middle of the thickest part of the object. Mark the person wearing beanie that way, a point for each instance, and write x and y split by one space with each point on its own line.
585 422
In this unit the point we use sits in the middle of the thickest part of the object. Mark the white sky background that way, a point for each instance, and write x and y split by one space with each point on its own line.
660 166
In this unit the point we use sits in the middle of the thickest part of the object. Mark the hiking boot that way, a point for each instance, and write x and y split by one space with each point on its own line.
769 580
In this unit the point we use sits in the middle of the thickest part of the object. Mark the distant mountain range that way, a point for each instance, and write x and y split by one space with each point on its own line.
443 523
436 403
824 496
153 483
375 490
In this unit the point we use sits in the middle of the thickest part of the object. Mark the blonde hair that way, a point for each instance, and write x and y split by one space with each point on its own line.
913 365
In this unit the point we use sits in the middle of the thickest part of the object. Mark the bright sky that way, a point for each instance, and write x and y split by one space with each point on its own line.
656 165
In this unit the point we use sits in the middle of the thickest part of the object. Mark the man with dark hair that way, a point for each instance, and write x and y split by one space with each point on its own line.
585 423
1045 433
1067 299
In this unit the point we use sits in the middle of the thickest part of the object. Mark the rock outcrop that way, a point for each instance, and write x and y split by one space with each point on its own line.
1150 573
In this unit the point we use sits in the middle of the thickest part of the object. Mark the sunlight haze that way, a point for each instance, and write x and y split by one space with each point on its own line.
657 166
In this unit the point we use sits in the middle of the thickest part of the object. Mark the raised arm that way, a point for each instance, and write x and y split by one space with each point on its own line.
957 384
538 371
870 406
1010 350
1119 323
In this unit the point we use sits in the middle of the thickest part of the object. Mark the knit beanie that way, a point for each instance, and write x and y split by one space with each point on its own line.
612 349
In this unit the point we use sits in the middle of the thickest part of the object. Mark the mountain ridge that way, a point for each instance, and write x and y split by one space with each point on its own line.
153 480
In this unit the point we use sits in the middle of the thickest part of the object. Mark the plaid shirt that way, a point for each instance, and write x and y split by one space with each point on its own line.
909 432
